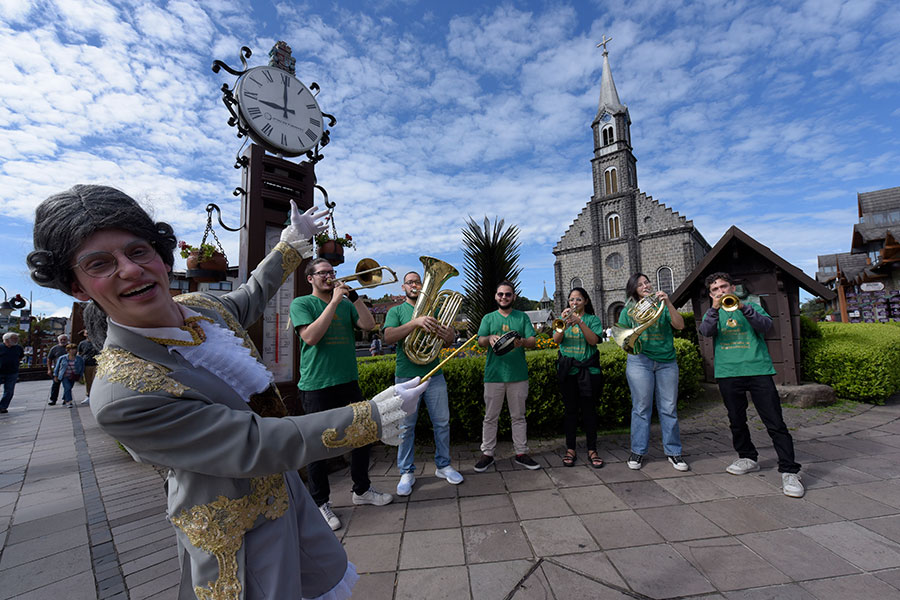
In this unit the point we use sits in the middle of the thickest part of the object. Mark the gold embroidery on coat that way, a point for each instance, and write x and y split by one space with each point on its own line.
363 430
290 259
230 321
219 527
137 374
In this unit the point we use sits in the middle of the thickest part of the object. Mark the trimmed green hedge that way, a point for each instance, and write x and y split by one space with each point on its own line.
544 408
859 360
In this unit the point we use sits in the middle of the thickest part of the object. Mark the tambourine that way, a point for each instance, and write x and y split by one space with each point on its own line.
505 343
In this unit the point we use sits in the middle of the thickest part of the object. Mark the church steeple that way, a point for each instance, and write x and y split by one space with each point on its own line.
614 164
609 97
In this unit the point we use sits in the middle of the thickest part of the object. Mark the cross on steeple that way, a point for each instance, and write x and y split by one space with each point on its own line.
604 43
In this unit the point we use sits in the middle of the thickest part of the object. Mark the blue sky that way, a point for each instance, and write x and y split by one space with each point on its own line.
768 116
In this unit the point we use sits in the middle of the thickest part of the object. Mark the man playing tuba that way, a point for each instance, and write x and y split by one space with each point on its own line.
398 325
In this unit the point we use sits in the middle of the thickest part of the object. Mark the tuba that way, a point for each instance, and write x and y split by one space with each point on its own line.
421 346
645 313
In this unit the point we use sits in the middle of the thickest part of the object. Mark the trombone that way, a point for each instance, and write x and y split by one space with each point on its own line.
368 274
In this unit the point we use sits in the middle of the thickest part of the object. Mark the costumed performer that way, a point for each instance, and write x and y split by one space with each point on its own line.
180 384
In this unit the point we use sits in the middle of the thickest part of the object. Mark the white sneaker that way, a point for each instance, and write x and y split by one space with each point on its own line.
86 400
330 517
791 486
450 474
742 466
372 496
679 463
407 481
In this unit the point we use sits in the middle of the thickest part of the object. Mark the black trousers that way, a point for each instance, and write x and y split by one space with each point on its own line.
54 391
336 396
765 398
577 404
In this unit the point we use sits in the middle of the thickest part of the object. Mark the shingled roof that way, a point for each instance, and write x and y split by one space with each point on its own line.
735 235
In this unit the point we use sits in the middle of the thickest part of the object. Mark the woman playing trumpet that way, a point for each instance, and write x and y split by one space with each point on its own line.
580 377
652 371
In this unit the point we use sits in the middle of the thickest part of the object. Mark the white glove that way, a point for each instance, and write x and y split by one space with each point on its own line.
303 226
395 404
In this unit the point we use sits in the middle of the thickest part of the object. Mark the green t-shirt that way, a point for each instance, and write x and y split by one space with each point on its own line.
575 346
656 342
511 366
740 350
333 360
397 316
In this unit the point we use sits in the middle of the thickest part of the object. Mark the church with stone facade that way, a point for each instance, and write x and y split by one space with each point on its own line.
622 230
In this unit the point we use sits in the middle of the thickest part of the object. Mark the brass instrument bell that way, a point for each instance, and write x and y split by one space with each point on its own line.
729 302
559 326
368 274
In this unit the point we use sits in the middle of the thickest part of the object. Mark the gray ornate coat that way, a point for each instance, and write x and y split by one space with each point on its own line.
246 526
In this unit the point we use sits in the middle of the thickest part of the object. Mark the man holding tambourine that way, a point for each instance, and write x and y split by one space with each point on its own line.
506 333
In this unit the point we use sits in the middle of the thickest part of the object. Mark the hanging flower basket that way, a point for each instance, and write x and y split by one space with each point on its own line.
332 248
205 264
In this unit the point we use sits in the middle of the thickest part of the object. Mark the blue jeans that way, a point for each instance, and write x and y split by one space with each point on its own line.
67 385
646 378
436 402
9 385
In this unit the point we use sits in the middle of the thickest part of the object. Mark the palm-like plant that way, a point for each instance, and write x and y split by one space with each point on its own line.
491 255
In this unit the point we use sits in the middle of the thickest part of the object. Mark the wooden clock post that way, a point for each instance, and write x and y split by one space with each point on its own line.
269 184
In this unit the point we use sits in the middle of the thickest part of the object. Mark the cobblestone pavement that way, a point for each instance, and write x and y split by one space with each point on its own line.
80 519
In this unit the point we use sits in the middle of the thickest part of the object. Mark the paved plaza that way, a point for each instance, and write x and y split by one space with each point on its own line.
81 520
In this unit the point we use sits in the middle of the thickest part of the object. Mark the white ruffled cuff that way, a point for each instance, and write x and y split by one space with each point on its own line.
389 408
303 246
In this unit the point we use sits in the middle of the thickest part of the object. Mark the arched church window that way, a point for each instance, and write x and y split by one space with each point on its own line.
664 280
612 227
610 179
608 136
576 282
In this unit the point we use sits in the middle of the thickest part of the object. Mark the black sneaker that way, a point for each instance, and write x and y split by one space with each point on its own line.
527 462
679 463
635 461
51 403
483 463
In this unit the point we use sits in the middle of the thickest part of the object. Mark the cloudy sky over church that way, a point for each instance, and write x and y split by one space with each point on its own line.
768 116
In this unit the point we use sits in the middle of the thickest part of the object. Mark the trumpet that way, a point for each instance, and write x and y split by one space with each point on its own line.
559 326
729 302
368 274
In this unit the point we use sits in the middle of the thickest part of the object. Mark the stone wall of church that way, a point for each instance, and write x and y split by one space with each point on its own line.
664 251
653 216
579 233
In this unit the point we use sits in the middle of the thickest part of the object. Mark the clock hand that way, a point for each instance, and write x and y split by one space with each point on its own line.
279 107
285 83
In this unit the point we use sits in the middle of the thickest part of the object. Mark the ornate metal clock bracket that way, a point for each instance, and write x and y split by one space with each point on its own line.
228 98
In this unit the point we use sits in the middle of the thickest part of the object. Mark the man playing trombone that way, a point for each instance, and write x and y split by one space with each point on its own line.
397 326
329 378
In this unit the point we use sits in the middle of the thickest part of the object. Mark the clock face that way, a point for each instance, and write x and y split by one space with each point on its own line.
281 113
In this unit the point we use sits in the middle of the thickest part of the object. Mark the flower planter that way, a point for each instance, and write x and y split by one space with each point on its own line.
332 252
209 270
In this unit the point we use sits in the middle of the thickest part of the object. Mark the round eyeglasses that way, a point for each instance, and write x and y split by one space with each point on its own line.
105 264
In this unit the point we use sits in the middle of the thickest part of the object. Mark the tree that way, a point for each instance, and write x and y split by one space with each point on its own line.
814 309
491 255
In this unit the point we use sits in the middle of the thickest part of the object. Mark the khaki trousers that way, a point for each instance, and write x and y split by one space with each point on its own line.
516 393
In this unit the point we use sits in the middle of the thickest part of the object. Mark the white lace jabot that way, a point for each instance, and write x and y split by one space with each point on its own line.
223 354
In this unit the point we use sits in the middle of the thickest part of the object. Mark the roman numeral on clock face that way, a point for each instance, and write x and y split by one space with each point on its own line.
286 80
311 106
267 128
283 140
268 76
254 112
315 122
252 95
310 134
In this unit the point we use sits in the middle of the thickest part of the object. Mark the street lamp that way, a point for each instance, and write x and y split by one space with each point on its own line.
7 307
